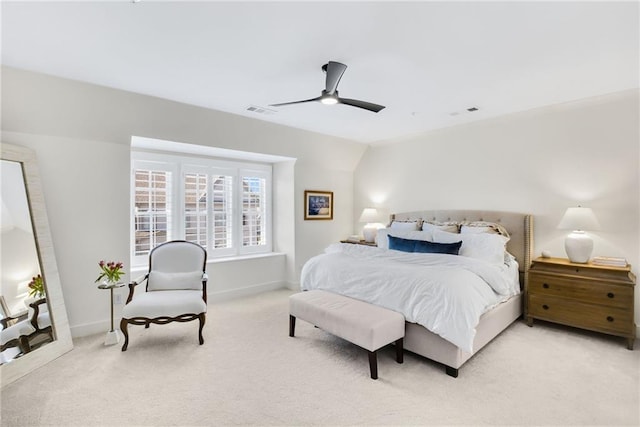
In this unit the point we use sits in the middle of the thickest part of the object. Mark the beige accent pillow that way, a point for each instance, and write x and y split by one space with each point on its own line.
484 227
448 226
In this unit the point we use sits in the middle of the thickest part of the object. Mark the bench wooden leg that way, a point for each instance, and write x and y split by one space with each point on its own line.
452 372
373 364
292 325
400 350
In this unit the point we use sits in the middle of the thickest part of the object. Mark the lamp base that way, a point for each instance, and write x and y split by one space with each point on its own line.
369 233
578 246
113 337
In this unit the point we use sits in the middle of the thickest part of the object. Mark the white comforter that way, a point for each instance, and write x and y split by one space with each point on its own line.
446 294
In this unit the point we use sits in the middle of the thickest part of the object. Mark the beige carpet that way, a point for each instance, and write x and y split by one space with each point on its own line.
249 372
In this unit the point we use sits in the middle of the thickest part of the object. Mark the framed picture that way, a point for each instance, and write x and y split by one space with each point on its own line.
318 204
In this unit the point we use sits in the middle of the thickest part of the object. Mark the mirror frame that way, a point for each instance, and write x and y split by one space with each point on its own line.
62 343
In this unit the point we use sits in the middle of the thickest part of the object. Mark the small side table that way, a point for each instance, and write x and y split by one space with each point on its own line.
113 336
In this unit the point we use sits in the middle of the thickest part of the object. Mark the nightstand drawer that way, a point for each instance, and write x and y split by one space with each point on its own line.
584 290
571 312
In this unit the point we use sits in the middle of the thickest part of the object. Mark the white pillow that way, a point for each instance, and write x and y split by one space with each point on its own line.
160 281
404 225
451 227
487 247
383 241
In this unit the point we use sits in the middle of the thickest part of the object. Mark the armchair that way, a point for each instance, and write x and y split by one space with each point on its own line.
22 333
176 289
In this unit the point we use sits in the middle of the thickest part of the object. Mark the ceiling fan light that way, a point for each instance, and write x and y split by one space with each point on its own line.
329 100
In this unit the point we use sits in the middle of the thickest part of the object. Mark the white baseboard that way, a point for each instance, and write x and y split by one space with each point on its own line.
102 326
242 292
294 286
87 329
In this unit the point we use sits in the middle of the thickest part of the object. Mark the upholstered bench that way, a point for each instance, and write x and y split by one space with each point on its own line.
368 326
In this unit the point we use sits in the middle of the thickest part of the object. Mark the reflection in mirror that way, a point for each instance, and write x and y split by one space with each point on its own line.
21 282
30 294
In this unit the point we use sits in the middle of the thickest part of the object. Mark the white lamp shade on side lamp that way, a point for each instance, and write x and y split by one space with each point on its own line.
372 219
578 244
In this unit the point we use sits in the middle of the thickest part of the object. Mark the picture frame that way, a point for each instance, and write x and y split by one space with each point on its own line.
318 205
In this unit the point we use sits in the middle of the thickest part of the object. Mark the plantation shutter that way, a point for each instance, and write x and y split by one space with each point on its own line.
222 208
152 220
253 196
195 208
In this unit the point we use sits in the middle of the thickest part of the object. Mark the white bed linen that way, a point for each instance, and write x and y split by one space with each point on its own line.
446 294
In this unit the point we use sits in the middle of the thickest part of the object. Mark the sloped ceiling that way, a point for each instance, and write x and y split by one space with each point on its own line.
427 62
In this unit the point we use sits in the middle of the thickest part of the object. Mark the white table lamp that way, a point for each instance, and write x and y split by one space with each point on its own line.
578 244
371 217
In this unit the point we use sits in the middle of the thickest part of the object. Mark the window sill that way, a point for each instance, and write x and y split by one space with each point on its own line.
139 270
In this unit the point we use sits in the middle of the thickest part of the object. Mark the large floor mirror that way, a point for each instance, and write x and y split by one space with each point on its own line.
33 318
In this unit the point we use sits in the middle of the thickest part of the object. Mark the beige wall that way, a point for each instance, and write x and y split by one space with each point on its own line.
539 162
81 134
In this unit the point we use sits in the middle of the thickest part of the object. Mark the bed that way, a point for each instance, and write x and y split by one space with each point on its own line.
348 270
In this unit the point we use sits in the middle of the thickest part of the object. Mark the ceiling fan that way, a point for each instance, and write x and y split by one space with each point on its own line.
334 71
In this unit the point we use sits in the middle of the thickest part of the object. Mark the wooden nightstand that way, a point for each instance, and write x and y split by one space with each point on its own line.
586 296
359 242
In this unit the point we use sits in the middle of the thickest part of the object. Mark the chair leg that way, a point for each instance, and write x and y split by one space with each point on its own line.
292 325
24 344
202 320
123 328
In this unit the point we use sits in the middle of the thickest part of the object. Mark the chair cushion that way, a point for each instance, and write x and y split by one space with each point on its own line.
44 320
156 304
23 327
162 281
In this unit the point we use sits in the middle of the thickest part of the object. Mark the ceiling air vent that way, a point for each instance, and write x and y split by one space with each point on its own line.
260 110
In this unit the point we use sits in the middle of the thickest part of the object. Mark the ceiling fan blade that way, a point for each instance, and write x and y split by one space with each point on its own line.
335 70
361 104
294 102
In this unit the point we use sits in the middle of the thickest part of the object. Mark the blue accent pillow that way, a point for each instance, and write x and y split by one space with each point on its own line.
400 244
436 248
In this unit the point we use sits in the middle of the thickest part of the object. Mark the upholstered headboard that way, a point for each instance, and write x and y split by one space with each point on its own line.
519 226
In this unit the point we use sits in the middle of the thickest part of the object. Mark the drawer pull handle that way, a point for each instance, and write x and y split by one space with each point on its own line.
544 285
545 306
610 295
609 319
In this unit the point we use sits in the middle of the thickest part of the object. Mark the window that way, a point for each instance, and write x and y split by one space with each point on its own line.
224 206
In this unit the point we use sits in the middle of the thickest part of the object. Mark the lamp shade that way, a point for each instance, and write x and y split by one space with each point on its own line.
579 218
369 215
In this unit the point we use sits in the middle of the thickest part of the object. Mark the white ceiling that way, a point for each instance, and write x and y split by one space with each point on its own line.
422 60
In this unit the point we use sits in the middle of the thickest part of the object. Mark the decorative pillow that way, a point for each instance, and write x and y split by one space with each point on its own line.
160 281
450 226
400 244
383 241
484 227
437 248
487 247
405 225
